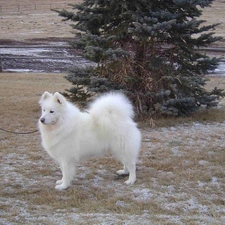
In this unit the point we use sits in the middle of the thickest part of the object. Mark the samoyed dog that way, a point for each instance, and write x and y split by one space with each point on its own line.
70 135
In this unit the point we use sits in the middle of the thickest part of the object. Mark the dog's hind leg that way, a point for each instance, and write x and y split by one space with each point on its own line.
123 172
129 169
59 182
68 172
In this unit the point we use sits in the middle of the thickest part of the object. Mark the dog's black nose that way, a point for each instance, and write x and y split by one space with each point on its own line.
42 120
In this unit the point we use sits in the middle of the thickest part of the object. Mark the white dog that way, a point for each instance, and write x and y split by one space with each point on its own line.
69 135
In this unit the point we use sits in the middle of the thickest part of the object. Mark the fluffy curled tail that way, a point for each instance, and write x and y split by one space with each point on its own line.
111 107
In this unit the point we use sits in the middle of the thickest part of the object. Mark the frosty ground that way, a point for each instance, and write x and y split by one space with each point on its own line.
180 181
180 172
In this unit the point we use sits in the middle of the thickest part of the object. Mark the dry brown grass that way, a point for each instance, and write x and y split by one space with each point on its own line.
43 23
33 24
180 173
215 14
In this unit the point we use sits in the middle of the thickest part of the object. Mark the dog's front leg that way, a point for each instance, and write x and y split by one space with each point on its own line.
68 172
59 181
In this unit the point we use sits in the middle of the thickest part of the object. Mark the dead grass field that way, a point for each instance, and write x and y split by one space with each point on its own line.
180 172
43 23
33 24
215 14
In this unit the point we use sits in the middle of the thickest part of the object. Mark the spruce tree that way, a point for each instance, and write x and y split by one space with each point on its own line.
146 48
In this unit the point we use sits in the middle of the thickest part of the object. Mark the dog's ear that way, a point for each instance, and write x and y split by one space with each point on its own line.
45 96
59 98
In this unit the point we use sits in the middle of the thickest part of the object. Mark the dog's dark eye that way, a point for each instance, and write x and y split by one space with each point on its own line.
51 111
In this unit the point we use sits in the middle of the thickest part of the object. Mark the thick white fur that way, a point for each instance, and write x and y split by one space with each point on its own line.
69 135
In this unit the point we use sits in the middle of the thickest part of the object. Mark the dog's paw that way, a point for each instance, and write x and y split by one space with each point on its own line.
61 187
59 182
122 172
130 181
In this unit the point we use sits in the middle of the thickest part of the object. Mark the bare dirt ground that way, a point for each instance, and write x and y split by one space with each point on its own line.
180 172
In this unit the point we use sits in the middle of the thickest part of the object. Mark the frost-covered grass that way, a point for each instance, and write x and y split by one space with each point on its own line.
180 172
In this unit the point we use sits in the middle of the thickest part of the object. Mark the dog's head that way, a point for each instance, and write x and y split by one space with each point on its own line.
52 106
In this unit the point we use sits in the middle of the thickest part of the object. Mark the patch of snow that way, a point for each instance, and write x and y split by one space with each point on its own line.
24 51
23 70
201 184
215 181
144 194
121 203
203 162
176 151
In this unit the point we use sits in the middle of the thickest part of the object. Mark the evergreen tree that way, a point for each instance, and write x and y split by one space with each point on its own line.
148 50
